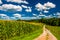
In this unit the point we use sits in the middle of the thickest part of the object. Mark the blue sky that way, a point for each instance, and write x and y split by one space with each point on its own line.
29 9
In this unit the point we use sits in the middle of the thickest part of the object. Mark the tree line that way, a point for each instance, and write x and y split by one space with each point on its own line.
50 21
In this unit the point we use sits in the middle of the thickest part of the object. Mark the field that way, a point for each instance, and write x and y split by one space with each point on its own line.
20 30
14 30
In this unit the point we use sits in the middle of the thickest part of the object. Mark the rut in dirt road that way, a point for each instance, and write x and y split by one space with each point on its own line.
46 35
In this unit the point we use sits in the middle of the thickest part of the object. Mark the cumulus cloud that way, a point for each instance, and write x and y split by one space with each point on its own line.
28 18
34 14
45 11
44 7
12 18
4 16
24 6
49 16
18 1
40 7
0 2
17 15
6 7
49 5
53 15
41 15
58 13
28 9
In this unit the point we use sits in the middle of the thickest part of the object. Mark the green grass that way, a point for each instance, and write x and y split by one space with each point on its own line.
14 30
20 30
30 36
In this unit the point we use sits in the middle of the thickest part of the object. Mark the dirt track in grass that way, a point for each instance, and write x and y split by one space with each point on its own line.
46 35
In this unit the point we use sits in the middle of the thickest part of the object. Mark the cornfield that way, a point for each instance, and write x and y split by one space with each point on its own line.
10 29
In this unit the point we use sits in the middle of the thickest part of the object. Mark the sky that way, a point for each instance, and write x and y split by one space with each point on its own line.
29 9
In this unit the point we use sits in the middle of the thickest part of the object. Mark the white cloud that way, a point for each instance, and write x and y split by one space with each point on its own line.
18 1
54 14
28 9
34 14
49 16
17 15
4 16
58 16
58 13
12 18
6 7
24 6
45 11
46 6
41 15
28 18
49 5
39 7
0 2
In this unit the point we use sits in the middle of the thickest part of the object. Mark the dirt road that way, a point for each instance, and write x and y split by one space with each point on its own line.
46 35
